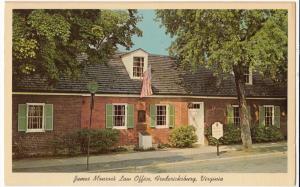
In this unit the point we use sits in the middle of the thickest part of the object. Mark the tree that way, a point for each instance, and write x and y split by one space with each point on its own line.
229 41
48 41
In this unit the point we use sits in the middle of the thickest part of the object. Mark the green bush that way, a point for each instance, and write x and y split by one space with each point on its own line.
183 136
101 140
57 145
266 134
70 142
231 135
137 148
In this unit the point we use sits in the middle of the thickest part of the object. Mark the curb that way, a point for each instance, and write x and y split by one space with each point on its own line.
193 161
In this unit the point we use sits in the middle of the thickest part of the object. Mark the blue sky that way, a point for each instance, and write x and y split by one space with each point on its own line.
154 39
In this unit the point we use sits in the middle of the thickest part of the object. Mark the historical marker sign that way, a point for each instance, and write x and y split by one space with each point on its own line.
217 130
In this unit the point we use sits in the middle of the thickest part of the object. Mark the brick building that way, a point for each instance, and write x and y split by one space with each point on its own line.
42 112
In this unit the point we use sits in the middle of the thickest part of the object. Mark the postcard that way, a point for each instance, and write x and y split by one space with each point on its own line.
150 93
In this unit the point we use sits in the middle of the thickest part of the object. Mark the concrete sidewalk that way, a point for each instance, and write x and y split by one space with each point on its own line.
114 161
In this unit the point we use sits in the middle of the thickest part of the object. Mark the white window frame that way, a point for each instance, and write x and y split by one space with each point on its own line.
249 77
43 118
236 106
135 77
167 119
119 127
273 114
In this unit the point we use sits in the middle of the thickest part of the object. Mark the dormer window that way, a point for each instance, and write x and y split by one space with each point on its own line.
248 75
138 67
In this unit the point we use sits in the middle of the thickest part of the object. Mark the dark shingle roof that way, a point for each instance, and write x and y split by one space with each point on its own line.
167 79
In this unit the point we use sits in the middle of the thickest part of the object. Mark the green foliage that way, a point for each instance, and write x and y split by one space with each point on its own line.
70 143
222 39
101 140
163 146
266 134
19 150
142 150
48 41
232 135
183 136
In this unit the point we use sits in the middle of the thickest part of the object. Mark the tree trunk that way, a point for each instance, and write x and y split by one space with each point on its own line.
244 118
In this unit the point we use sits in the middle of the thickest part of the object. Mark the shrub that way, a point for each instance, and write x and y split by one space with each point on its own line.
57 145
231 135
183 136
119 149
77 142
19 151
163 146
137 148
70 142
266 134
101 139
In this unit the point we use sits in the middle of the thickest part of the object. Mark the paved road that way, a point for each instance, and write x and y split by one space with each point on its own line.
262 158
273 163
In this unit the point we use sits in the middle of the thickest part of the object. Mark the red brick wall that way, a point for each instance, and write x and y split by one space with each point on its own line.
66 118
72 113
214 110
130 136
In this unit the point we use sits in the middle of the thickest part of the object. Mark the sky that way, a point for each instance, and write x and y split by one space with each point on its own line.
154 39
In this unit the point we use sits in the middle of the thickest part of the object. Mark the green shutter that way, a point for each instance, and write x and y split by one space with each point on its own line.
261 115
48 116
130 116
171 112
152 115
277 116
229 115
22 117
109 116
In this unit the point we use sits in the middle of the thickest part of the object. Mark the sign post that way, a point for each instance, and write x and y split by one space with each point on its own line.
217 132
92 87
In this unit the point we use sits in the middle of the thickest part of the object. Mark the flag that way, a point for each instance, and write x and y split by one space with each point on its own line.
146 87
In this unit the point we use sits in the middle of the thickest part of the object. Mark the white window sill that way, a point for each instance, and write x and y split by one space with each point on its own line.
124 127
161 126
35 130
137 78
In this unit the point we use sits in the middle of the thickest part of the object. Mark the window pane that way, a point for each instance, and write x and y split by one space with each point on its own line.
138 66
236 116
268 115
246 74
161 115
119 115
35 117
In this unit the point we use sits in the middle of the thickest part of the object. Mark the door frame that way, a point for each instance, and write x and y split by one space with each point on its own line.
201 119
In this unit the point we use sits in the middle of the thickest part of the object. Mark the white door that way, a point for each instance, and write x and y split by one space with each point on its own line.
196 119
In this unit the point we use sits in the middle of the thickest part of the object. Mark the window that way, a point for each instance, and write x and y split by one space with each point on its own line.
194 105
236 115
119 116
141 116
138 67
269 115
35 119
161 116
248 75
